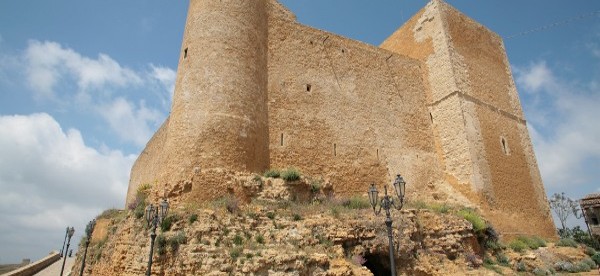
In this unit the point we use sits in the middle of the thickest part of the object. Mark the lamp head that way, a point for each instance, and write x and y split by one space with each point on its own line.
400 187
163 209
150 213
373 196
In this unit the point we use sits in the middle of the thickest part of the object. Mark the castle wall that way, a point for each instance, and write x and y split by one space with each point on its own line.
436 103
147 167
346 111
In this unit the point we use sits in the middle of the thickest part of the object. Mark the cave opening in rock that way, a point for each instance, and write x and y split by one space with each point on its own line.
378 263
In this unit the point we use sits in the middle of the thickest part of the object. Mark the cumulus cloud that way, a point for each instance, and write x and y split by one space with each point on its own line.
166 76
61 74
131 122
48 62
51 179
568 148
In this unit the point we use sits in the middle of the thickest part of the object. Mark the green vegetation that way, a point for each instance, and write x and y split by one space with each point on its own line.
296 217
272 173
235 253
596 258
356 202
502 259
260 239
161 244
166 224
109 214
271 215
479 224
193 218
568 242
315 187
177 240
518 245
492 267
238 240
540 271
291 174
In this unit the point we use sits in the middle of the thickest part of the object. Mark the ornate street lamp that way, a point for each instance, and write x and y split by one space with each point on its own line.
89 229
64 242
387 202
70 232
154 216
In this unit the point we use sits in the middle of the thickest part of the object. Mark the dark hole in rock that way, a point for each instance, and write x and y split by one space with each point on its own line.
378 264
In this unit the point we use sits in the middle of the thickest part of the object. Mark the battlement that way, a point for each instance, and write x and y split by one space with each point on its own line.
436 103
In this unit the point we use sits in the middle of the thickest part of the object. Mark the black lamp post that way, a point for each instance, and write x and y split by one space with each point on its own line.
89 229
154 216
64 242
70 233
387 202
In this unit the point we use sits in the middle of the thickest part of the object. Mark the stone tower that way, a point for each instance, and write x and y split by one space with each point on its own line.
219 113
478 125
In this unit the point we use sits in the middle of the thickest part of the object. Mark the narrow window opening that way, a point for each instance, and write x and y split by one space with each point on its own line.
334 149
377 154
185 53
343 51
505 149
282 139
431 116
308 88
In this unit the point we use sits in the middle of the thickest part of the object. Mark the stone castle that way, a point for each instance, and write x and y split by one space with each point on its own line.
435 102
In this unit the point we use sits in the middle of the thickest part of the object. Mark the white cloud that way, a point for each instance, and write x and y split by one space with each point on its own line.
537 77
166 76
48 62
50 179
130 122
568 146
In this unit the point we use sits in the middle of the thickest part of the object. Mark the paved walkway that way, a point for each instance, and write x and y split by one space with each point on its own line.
54 269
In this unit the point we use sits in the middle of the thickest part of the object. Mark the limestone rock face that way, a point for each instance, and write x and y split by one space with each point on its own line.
283 238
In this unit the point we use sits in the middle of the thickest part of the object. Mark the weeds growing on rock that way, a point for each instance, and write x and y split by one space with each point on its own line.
161 245
177 240
167 223
502 259
235 253
238 240
291 174
193 218
470 215
356 202
260 239
272 173
518 246
568 242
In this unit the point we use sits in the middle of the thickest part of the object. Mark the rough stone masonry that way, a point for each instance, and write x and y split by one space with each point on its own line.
436 102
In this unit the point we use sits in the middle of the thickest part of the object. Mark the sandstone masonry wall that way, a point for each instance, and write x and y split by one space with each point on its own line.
436 103
478 119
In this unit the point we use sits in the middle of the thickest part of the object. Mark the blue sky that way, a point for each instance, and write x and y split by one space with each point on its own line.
84 84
